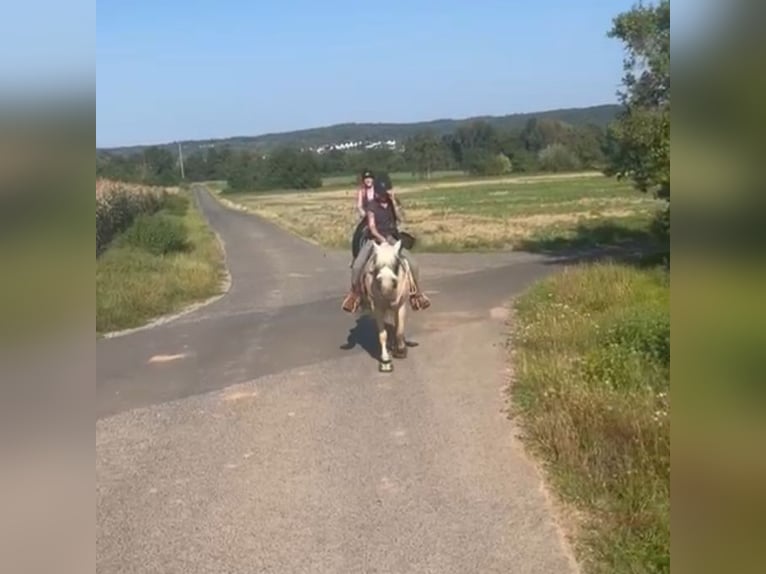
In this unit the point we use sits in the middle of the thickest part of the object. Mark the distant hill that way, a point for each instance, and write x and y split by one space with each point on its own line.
315 137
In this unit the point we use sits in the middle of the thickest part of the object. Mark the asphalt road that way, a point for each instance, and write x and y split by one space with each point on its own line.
255 434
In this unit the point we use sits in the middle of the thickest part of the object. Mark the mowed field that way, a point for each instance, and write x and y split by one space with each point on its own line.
532 212
398 177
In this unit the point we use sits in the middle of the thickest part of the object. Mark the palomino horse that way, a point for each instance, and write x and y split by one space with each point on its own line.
387 288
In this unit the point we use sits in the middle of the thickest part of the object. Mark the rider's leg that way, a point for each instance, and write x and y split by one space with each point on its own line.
357 238
413 264
361 260
418 300
351 302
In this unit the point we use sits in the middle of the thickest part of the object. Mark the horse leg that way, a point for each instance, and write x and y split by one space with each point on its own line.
384 365
400 349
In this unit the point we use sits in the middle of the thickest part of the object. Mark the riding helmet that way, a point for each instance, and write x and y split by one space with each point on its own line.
381 189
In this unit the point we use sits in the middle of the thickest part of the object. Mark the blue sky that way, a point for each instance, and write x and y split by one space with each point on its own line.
175 70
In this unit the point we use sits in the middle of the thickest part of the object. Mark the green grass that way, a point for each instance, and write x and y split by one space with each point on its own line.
398 178
591 388
545 197
133 285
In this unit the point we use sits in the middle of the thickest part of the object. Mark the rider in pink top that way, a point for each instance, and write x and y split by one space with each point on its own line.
364 196
365 193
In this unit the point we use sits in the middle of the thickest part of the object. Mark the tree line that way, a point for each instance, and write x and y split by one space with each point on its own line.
477 148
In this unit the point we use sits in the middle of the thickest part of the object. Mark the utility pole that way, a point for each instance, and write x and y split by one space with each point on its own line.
181 160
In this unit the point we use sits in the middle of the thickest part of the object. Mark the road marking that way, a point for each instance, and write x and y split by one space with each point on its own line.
166 358
237 395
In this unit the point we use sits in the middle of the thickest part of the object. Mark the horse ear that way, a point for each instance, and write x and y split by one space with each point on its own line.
398 246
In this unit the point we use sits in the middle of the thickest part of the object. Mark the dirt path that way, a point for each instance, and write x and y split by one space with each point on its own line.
255 434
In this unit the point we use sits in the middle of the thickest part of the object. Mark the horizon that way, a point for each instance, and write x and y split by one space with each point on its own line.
328 126
169 72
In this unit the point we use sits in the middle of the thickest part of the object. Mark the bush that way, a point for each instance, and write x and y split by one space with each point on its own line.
558 157
498 164
158 234
485 163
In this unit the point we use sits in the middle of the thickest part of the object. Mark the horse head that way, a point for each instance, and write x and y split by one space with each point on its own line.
387 267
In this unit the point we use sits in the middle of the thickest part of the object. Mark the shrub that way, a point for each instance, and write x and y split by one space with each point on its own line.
485 163
558 157
158 234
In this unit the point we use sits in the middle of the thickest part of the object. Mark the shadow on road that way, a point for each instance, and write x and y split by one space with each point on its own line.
606 241
365 334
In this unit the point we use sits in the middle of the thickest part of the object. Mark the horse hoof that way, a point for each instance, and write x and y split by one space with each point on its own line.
384 367
400 353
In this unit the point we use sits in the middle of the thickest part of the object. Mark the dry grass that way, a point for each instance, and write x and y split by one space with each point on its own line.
592 373
457 216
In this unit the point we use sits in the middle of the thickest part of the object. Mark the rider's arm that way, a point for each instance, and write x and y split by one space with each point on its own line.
360 201
374 230
398 209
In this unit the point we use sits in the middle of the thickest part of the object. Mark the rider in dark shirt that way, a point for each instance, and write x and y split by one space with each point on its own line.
382 226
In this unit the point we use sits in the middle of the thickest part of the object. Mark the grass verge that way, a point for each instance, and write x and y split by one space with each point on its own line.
135 284
591 352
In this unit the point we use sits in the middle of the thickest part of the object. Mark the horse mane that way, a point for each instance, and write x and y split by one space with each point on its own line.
386 255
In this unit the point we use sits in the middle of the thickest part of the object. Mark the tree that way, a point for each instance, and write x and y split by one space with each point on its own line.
161 166
424 153
334 162
195 167
477 139
219 162
639 139
242 172
512 146
539 133
588 144
290 168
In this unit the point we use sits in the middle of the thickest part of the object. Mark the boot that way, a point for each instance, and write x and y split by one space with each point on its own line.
351 302
419 301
